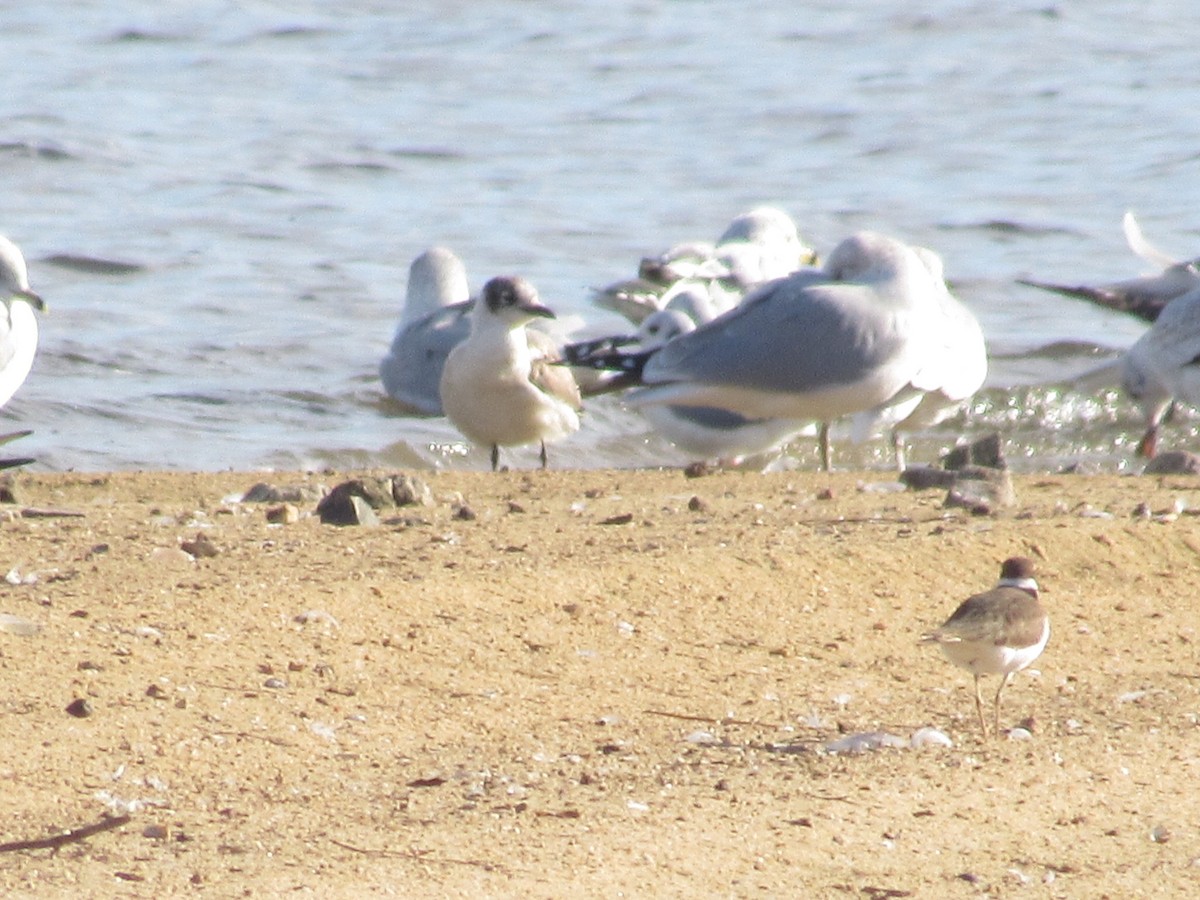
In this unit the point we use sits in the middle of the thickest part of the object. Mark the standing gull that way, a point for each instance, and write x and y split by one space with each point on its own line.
814 346
998 632
954 370
1164 365
494 390
705 432
18 329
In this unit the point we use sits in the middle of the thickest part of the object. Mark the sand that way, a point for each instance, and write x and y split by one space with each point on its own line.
590 684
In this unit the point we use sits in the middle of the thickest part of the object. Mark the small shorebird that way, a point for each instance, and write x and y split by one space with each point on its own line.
18 330
498 392
998 632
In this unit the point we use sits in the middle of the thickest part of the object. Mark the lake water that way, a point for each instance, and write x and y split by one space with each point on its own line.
263 173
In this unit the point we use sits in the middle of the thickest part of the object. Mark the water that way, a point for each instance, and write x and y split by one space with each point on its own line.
264 172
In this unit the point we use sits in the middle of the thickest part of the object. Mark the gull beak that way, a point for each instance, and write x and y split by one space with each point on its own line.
32 298
536 309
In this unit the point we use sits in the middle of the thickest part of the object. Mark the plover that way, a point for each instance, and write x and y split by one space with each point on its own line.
18 329
998 632
494 389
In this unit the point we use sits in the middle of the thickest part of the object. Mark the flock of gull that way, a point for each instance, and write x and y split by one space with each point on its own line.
744 343
740 344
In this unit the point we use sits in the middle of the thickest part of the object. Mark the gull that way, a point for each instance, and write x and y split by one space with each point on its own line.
998 632
436 317
1144 296
704 432
756 246
18 330
493 389
813 346
955 369
1163 365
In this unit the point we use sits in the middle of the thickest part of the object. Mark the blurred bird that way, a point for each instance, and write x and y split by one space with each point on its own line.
1144 296
1163 366
756 246
18 331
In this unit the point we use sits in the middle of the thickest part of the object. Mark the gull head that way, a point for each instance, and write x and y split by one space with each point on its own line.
511 301
663 326
14 278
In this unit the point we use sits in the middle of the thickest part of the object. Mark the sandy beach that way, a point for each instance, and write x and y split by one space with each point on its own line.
592 684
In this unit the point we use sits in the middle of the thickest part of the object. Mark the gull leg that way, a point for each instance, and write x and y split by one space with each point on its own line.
495 457
543 454
898 450
999 691
979 709
823 444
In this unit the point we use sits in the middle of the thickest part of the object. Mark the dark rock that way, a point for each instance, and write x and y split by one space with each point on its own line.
920 478
80 708
262 493
984 452
347 504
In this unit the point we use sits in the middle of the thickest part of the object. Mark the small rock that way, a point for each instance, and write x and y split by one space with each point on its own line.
156 692
619 519
269 493
1174 462
155 832
408 490
199 547
347 504
697 470
80 708
984 452
696 504
515 507
464 513
930 737
982 490
285 514
262 493
11 624
171 555
8 492
825 494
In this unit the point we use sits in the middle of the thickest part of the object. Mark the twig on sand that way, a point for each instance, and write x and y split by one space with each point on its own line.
421 855
687 717
58 840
